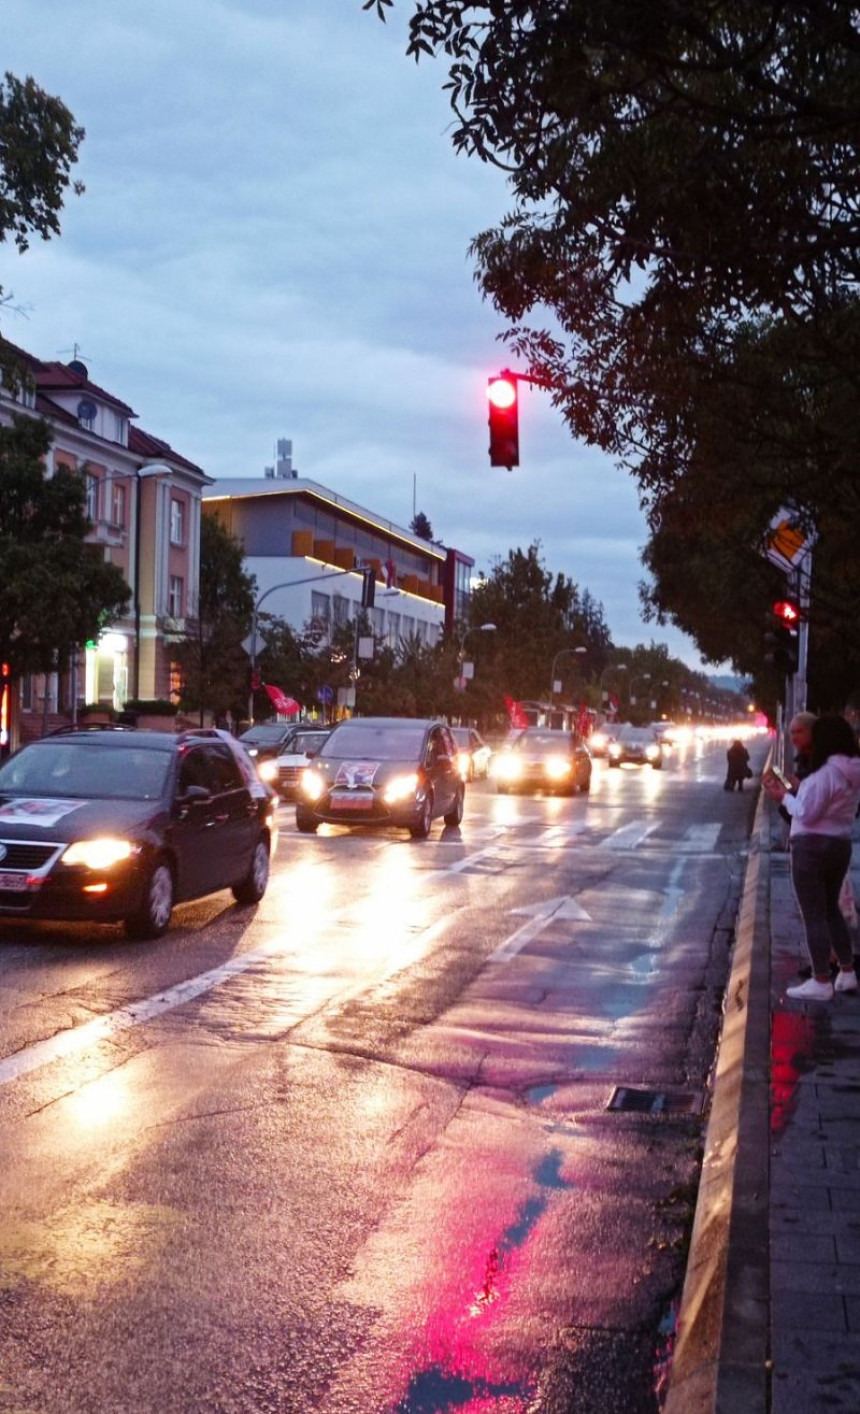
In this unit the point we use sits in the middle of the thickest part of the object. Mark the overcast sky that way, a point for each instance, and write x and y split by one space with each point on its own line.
273 242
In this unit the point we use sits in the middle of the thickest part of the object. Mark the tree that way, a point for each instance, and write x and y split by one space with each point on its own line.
56 591
421 526
39 141
537 614
685 199
211 657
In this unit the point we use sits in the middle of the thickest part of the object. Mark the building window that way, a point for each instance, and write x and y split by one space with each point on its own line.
175 596
341 611
321 609
393 629
177 522
92 496
117 504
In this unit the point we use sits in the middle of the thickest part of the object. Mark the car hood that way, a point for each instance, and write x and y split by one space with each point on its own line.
39 817
355 773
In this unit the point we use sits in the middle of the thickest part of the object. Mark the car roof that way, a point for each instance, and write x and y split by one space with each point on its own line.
110 738
393 722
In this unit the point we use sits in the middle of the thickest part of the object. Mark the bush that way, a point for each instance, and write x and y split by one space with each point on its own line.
152 707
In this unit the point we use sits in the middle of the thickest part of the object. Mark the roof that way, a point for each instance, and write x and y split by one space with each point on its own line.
252 487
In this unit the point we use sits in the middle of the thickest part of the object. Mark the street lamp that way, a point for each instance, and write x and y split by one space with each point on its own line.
641 677
476 628
562 652
610 668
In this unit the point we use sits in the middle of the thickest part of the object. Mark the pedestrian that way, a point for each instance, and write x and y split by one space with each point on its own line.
737 765
800 735
822 820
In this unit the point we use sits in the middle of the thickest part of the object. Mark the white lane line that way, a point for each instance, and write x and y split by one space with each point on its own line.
542 914
700 837
103 1028
629 836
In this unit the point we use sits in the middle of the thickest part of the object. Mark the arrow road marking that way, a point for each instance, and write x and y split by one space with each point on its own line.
540 915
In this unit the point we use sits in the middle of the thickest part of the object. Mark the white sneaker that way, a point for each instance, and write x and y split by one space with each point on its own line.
812 991
846 982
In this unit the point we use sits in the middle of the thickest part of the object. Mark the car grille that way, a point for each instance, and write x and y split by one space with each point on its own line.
288 776
26 854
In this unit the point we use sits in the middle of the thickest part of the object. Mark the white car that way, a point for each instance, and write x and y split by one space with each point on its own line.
283 773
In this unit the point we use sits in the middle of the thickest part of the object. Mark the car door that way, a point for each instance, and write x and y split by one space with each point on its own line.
196 825
445 772
236 815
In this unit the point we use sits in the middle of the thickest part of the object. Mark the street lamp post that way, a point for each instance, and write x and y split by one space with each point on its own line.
255 619
476 628
562 652
641 677
610 668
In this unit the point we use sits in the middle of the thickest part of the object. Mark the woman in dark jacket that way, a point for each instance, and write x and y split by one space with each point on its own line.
738 760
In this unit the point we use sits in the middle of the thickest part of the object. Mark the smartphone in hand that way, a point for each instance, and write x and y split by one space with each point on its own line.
780 776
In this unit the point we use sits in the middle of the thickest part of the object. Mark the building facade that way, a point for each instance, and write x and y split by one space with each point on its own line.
307 548
144 502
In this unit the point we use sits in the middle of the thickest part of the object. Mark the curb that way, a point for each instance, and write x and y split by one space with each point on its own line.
721 1350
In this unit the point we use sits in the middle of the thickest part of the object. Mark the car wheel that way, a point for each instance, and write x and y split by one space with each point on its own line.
306 824
152 918
253 886
656 765
455 814
421 829
614 765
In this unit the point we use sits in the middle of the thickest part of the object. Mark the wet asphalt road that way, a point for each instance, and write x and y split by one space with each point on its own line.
350 1152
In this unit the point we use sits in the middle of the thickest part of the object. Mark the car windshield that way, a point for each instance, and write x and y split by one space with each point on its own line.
376 741
68 769
542 742
636 734
462 736
267 734
304 742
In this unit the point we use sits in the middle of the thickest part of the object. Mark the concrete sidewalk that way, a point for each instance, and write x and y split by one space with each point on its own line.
770 1314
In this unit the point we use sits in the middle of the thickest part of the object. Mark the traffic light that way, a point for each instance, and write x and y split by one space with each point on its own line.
504 420
368 587
780 642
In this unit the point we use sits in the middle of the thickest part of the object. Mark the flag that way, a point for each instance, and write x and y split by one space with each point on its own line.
284 706
516 715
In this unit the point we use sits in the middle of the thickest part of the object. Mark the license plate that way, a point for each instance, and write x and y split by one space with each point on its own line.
351 800
13 883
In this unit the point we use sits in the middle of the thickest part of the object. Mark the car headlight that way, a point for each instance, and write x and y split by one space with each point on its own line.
267 770
463 765
312 784
508 768
99 854
401 788
599 741
614 749
652 752
557 767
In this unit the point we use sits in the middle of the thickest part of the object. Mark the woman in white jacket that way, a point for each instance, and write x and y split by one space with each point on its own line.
822 825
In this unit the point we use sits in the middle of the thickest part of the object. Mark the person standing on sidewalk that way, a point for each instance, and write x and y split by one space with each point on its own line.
822 821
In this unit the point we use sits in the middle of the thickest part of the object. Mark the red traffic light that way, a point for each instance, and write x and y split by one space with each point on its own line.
788 612
503 421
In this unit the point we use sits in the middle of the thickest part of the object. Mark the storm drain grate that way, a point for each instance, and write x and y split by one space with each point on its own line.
656 1102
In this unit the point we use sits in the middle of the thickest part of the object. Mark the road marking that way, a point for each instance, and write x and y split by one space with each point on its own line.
540 917
700 837
105 1028
629 836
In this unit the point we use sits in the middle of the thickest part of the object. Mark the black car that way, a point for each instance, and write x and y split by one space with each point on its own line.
383 771
267 740
639 746
540 758
103 826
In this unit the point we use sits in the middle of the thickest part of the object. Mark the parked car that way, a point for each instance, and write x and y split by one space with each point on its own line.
383 771
541 758
267 740
636 745
473 752
284 771
101 826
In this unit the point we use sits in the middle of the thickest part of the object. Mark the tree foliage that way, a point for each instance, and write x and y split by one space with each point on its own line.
681 258
56 591
421 526
213 662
